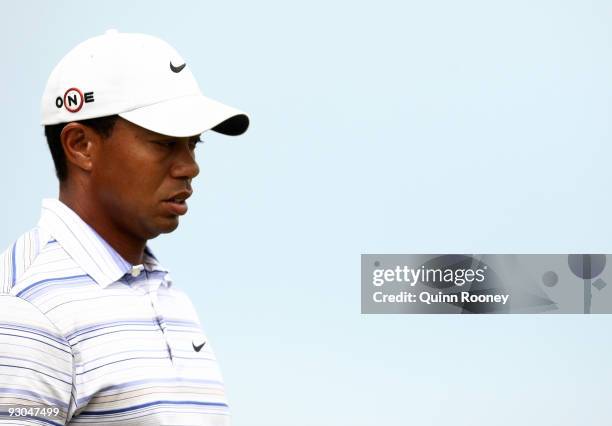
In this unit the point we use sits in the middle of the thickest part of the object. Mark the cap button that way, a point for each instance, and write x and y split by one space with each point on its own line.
111 31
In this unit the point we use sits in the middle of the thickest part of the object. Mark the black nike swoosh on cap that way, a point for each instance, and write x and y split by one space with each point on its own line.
197 348
177 69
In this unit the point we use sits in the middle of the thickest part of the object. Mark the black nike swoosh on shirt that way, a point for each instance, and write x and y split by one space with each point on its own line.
197 348
177 69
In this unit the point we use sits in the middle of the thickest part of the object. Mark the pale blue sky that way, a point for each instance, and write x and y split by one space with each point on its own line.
377 127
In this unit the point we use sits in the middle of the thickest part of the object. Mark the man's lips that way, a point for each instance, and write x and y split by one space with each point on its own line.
176 204
180 196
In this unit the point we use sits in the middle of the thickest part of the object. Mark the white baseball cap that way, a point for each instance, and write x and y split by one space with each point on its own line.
143 80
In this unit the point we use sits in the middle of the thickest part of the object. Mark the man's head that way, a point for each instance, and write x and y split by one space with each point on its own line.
137 178
122 115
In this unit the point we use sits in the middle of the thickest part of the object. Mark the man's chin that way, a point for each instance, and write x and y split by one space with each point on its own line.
169 224
163 225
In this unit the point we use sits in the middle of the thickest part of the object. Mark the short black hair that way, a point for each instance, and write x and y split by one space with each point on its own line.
102 125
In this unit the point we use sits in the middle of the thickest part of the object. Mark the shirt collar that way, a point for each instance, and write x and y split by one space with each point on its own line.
88 249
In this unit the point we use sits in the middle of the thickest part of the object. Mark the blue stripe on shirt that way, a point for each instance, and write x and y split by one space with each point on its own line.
148 404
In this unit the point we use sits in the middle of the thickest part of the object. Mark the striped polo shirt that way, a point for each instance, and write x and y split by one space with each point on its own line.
102 340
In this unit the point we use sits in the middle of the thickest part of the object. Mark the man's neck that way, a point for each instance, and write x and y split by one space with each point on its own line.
129 247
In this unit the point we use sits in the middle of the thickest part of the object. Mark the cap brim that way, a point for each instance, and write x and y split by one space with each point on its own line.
189 116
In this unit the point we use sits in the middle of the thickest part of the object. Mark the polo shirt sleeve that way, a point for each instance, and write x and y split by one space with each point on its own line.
36 365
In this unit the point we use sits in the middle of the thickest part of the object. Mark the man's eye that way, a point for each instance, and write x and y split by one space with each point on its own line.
171 144
162 143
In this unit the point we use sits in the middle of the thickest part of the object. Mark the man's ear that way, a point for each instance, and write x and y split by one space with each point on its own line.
80 144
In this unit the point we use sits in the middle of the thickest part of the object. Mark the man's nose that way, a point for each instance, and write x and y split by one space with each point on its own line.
185 164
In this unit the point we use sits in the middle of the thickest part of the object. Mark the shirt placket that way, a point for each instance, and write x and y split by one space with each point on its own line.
159 317
151 288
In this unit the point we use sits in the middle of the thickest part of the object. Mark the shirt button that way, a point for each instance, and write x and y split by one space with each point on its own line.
136 270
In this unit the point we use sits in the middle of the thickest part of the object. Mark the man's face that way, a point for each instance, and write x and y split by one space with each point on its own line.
135 175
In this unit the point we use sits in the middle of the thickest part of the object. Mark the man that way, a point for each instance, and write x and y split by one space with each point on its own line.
92 328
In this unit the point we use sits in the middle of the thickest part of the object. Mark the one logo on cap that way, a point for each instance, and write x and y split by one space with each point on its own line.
177 69
74 99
